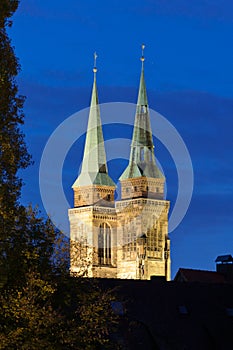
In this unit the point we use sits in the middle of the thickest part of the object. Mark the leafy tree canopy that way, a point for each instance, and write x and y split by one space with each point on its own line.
41 306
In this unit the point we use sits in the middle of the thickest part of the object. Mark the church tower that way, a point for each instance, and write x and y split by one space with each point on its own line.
142 212
93 218
127 238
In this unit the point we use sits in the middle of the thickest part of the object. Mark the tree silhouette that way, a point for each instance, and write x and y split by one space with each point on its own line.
41 306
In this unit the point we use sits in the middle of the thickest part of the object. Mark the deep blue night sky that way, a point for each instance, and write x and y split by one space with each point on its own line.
188 70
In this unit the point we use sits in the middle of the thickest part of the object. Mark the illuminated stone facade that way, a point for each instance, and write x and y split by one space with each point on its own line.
126 238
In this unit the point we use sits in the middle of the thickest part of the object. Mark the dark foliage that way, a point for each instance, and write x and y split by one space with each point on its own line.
41 306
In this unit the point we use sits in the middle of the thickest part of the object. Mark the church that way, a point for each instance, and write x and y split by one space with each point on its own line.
127 238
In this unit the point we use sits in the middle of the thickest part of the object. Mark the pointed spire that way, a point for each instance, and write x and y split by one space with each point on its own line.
94 167
94 96
142 160
142 95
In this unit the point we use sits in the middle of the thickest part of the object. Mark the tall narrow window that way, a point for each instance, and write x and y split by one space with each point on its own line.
101 245
107 245
104 244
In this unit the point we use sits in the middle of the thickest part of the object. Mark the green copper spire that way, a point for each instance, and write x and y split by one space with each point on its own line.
142 160
94 167
142 96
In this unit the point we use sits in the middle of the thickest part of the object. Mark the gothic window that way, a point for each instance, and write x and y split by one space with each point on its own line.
107 245
101 246
104 244
153 245
129 241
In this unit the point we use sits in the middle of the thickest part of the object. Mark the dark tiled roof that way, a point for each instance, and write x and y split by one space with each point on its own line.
190 275
171 315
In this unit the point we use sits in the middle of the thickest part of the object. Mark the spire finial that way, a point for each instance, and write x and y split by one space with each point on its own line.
95 57
142 57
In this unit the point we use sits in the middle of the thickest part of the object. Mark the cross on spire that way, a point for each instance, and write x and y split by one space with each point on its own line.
95 57
142 96
142 57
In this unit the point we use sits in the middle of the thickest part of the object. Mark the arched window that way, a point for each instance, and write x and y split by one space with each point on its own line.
104 244
101 245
